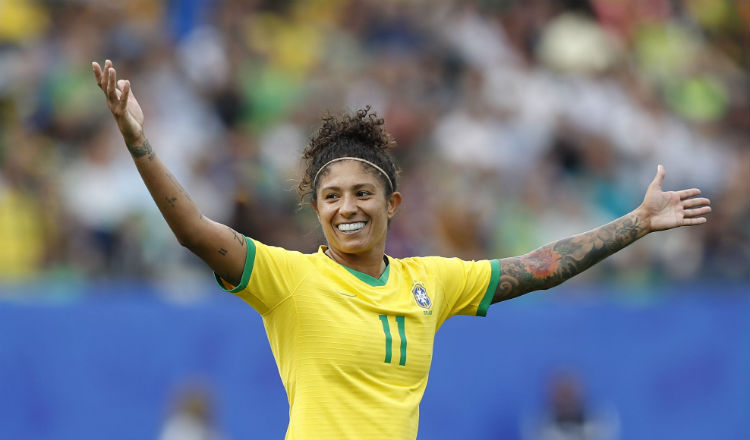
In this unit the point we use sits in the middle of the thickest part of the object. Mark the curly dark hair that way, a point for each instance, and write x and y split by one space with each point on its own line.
360 135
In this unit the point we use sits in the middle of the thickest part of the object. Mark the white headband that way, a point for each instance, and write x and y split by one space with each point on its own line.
315 179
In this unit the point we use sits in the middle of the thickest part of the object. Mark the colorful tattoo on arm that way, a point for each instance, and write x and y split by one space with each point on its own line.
554 263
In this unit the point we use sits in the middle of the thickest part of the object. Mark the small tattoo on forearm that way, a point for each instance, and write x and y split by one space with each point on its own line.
138 151
178 185
237 236
171 201
223 251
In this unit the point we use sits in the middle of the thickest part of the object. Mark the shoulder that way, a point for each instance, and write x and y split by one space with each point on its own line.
448 266
433 266
280 252
280 261
428 261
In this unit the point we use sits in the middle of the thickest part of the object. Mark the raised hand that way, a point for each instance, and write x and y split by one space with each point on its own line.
122 103
554 263
671 209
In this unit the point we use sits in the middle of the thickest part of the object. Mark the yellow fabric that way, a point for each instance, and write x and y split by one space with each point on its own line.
328 332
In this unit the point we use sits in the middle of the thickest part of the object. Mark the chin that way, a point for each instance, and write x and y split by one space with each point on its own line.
351 247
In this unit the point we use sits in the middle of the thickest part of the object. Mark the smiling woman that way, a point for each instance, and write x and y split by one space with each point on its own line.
352 328
351 180
354 208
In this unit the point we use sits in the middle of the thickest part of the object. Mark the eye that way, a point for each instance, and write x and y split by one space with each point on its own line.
331 196
363 193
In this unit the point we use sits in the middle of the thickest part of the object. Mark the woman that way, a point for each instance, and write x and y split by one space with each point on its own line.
351 328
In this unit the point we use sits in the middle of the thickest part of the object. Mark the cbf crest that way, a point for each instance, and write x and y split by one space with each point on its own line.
420 295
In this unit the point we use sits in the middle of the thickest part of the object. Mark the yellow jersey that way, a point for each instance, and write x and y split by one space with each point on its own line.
354 351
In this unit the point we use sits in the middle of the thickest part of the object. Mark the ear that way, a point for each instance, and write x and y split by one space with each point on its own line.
394 201
314 204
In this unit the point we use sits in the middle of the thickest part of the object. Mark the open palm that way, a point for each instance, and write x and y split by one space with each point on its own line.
121 102
672 209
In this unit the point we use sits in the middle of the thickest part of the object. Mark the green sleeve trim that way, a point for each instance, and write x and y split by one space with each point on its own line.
246 272
491 288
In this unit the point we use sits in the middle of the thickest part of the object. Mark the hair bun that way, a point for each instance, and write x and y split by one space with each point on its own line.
361 134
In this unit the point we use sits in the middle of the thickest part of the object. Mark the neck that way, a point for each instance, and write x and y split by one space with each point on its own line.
372 264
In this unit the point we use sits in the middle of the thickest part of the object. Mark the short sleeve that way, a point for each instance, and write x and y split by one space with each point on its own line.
467 286
269 277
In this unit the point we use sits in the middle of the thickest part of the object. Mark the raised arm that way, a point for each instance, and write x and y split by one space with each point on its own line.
554 263
222 248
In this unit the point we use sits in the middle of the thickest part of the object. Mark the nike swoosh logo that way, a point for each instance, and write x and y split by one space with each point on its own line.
346 294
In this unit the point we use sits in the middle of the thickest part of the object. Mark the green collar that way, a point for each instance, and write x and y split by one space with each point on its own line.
369 279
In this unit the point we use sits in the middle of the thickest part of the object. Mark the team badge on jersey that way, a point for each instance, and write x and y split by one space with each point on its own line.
420 295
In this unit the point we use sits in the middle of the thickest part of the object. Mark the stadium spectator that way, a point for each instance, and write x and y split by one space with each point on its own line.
669 91
192 417
570 415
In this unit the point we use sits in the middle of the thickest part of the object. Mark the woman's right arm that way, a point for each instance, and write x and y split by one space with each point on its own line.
222 248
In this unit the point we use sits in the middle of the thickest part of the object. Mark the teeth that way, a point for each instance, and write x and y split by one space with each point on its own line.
349 227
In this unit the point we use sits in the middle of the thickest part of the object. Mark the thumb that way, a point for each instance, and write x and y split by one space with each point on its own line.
659 178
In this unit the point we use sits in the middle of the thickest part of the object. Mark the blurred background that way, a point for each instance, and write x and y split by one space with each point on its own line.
517 122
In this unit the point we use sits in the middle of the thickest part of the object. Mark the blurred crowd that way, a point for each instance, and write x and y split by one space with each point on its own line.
518 122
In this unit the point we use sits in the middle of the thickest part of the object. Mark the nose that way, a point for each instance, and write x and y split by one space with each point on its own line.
348 206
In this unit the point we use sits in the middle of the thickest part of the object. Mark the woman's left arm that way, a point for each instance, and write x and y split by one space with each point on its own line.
554 263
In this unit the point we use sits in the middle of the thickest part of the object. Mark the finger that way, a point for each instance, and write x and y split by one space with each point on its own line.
108 69
693 221
105 76
692 203
124 86
111 78
690 213
659 178
97 73
687 193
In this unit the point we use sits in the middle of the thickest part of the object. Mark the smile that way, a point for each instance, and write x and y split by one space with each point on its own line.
351 227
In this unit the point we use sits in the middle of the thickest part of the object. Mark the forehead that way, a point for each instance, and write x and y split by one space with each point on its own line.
347 173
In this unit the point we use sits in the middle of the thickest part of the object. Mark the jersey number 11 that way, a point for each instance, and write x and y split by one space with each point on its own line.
389 340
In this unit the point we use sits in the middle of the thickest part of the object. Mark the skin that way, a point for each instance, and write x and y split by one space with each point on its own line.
554 263
222 248
350 192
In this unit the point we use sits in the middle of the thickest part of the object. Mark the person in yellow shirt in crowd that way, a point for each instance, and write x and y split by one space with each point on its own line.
350 327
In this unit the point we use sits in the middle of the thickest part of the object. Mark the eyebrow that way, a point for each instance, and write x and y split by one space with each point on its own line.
354 187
